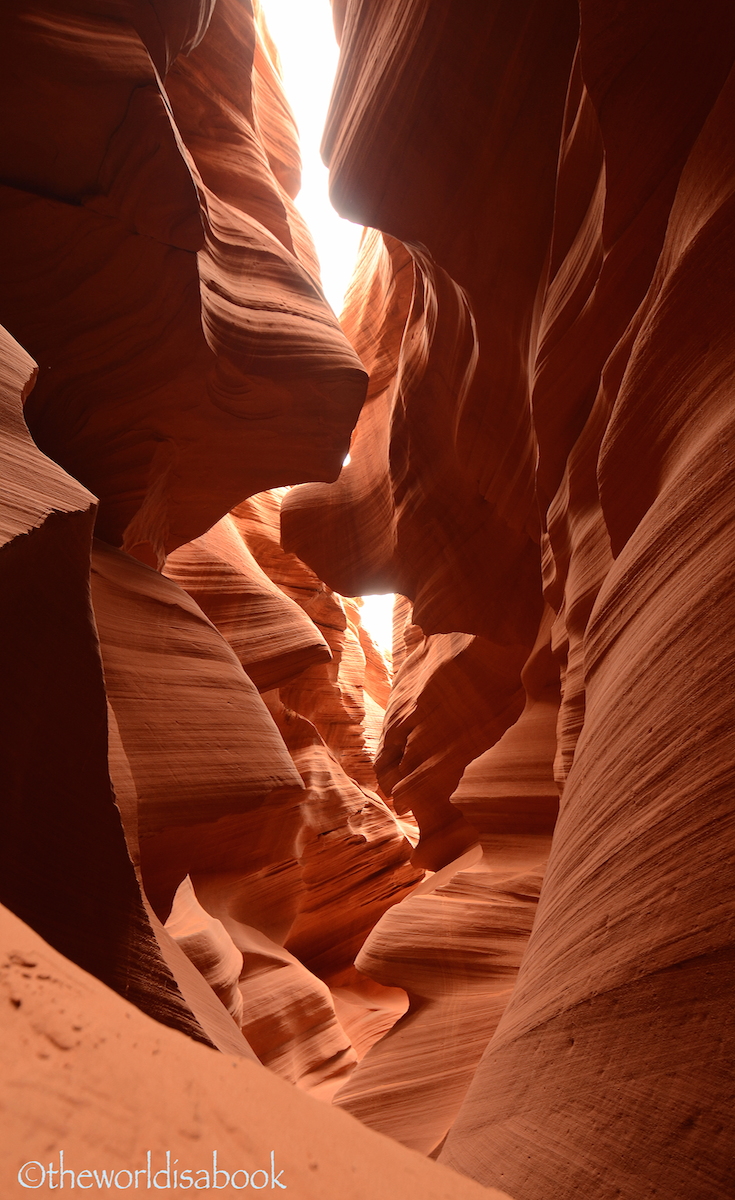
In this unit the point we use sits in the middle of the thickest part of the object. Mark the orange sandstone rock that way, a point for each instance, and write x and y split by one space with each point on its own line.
79 885
202 747
543 306
453 697
456 943
191 352
619 1002
272 637
83 1067
580 200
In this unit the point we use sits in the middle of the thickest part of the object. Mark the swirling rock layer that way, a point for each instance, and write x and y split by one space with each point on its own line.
542 470
154 263
83 1066
562 191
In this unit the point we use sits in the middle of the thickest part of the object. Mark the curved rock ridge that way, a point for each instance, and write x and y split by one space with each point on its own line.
418 335
413 80
79 887
409 1085
336 695
567 172
335 851
456 943
663 927
157 648
212 356
286 1013
155 264
194 717
206 942
403 514
453 696
270 634
91 1075
354 857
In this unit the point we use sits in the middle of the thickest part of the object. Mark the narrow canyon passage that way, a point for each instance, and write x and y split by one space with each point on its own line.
449 919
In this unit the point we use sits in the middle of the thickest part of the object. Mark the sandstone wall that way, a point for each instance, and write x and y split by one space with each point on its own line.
561 182
202 727
216 799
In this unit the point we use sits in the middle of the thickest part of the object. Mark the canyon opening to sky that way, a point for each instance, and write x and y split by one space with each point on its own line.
303 33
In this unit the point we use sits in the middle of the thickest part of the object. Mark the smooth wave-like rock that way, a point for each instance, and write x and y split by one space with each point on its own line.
647 955
354 857
80 887
158 316
341 697
285 1012
453 696
91 1075
270 634
192 352
581 259
456 943
344 839
207 944
200 761
426 542
541 470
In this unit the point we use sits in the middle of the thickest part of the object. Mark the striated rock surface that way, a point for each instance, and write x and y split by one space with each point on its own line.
334 695
453 696
422 541
206 943
286 1014
561 183
157 650
542 470
639 825
272 637
89 1074
65 863
202 376
170 292
456 943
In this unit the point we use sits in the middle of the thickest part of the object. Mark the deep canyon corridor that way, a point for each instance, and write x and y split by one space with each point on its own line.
451 922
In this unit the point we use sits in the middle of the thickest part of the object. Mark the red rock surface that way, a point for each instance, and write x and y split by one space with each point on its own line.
201 377
65 863
576 181
170 293
91 1075
270 634
456 943
542 471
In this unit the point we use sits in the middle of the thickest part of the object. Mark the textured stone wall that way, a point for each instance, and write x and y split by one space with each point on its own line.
558 184
483 902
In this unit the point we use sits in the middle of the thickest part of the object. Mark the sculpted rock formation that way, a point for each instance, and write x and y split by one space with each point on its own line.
212 356
185 358
218 798
575 179
455 944
272 637
65 865
94 1077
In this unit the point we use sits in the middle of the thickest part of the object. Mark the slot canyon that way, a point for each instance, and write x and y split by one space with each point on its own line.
448 922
